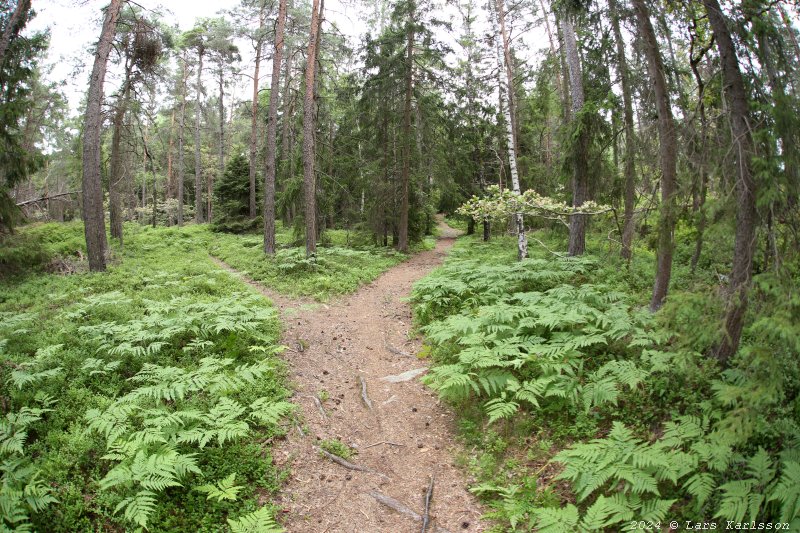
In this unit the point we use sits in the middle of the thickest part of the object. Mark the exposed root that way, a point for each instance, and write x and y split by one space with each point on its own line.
364 396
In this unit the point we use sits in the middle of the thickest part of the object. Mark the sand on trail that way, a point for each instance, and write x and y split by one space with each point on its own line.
406 436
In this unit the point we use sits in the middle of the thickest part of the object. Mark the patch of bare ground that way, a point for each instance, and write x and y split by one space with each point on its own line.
353 365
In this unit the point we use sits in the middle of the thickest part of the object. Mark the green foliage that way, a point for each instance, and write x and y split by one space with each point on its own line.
232 198
338 448
139 386
649 428
260 521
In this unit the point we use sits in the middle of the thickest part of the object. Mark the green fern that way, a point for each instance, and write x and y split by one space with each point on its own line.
260 521
223 489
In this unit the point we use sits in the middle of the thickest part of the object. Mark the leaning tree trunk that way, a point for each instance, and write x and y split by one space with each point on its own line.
93 215
669 156
505 84
580 180
272 133
15 23
198 167
405 175
630 143
181 131
309 124
746 215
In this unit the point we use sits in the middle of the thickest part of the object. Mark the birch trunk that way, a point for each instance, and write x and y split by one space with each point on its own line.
505 87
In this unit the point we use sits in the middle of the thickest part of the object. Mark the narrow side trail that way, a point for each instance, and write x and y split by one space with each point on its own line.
357 356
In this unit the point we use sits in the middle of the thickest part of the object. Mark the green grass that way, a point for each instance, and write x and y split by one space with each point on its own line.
336 269
337 448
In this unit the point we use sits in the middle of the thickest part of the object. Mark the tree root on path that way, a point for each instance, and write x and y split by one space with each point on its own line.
364 396
402 509
426 518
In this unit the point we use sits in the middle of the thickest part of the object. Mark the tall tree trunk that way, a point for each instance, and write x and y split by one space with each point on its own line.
506 85
746 215
169 191
272 133
254 117
198 164
556 56
309 125
93 215
669 156
286 119
630 142
15 23
181 131
580 180
221 138
116 174
405 175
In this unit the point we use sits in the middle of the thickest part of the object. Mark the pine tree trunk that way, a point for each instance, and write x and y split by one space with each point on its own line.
198 165
505 84
669 156
181 131
272 132
16 21
93 213
405 175
169 191
580 180
254 120
309 126
115 171
746 215
630 142
221 140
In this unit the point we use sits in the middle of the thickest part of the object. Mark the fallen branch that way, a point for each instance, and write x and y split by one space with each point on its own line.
426 518
402 509
364 396
47 198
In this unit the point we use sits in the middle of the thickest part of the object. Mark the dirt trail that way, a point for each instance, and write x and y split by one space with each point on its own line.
404 438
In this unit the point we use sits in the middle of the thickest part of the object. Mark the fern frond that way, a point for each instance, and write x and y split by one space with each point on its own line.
260 521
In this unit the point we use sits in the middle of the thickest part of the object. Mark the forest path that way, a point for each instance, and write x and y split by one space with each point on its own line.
406 436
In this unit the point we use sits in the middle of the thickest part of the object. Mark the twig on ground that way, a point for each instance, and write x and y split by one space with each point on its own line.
364 396
383 442
319 406
402 509
426 517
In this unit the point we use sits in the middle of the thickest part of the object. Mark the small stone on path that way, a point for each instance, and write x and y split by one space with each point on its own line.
405 376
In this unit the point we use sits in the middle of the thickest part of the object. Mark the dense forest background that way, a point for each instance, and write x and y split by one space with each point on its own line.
642 166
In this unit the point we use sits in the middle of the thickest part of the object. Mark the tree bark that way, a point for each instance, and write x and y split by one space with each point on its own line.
198 166
254 117
506 86
93 213
181 131
405 174
746 215
630 142
221 138
669 156
580 180
309 126
116 175
272 133
15 23
169 192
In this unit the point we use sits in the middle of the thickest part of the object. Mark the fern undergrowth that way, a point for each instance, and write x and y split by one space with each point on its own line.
649 429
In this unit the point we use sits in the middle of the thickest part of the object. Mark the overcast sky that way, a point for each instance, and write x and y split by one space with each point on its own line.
75 26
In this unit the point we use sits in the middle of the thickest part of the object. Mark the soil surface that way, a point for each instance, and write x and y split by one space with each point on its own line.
402 440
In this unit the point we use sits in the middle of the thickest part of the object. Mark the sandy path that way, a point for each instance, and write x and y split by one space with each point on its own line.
405 437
